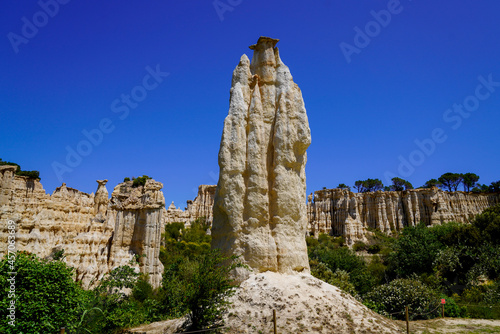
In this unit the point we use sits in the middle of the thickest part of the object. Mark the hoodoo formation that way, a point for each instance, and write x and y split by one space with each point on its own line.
260 202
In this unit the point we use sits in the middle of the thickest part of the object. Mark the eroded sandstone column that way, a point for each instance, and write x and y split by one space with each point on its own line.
260 202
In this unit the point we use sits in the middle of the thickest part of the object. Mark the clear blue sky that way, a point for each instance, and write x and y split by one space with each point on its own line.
404 75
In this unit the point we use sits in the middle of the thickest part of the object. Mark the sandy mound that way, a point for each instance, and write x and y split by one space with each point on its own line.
304 304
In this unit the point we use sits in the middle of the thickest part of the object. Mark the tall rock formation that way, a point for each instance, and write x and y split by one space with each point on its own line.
341 212
260 201
96 233
201 207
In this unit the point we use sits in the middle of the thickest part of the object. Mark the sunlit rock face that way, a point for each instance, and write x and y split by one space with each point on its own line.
341 212
260 201
97 234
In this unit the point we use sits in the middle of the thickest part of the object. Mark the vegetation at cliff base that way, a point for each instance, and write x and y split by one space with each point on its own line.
196 284
418 267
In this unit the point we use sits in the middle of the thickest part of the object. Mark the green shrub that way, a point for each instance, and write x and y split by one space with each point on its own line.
126 179
140 181
392 298
359 246
343 258
32 174
452 309
46 296
339 278
200 287
374 249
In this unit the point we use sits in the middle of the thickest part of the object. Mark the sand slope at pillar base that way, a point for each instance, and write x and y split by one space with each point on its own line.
304 304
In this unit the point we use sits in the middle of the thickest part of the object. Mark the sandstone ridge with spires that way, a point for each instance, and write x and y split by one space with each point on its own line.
97 234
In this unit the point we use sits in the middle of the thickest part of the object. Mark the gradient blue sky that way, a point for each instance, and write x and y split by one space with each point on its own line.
365 115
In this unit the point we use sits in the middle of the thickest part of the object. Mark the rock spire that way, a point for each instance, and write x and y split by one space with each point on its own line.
260 202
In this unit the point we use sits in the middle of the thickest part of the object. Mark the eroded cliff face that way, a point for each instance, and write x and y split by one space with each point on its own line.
202 206
341 212
260 201
96 233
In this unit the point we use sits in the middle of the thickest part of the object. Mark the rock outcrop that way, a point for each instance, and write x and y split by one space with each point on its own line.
96 233
201 207
341 212
260 202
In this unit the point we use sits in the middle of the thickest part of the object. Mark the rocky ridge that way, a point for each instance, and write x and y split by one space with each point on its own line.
97 234
342 212
200 207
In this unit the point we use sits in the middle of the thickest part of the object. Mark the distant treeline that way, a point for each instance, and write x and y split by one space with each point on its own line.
447 182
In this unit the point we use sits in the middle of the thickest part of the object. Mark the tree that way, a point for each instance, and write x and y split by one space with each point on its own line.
450 181
344 186
358 185
414 251
373 185
398 184
494 187
201 287
368 185
432 183
469 181
480 188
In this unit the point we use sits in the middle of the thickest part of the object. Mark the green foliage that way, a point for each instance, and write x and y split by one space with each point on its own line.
139 181
399 184
368 185
196 279
32 174
200 287
414 251
488 223
374 249
342 258
46 296
450 181
3 163
359 246
452 309
394 296
432 183
344 186
210 288
469 181
339 278
494 187
126 179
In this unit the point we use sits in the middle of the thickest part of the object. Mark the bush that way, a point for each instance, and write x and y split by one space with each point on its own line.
126 179
140 181
392 298
452 309
32 174
46 296
342 258
201 287
374 249
359 246
339 278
